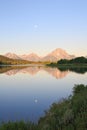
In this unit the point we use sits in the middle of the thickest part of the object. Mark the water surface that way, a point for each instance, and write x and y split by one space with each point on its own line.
26 92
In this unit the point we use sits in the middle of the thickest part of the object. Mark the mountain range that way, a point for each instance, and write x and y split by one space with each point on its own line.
53 56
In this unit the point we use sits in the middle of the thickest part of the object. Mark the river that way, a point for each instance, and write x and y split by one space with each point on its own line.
26 92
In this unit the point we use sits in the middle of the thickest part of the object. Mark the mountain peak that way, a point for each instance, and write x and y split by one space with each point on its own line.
33 54
31 57
59 50
57 54
53 56
12 55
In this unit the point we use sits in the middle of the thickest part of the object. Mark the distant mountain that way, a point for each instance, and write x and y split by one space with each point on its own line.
31 57
12 56
4 58
56 55
8 61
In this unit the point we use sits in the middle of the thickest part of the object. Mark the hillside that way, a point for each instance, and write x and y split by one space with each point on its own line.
12 56
31 57
7 61
67 114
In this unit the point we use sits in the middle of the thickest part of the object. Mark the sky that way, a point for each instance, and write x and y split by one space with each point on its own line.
41 26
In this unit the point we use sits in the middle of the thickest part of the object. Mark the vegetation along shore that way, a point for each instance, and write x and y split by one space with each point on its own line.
67 114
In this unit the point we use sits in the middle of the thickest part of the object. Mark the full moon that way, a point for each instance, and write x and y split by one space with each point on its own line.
35 26
36 100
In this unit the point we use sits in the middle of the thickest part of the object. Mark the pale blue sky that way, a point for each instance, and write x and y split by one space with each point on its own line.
43 25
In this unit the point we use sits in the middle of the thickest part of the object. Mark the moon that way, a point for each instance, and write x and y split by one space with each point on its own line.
35 26
35 100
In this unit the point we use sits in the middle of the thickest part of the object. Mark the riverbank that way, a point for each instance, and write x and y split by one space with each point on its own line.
68 114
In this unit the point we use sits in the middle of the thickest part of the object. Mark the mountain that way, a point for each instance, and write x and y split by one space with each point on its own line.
31 57
8 61
4 58
12 56
56 55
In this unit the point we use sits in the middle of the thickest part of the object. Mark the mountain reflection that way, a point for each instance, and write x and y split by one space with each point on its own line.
33 70
55 72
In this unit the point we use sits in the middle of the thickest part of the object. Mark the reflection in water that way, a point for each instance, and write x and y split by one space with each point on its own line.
78 69
25 97
56 72
35 69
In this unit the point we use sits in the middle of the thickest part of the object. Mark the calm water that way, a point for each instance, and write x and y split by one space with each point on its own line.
27 92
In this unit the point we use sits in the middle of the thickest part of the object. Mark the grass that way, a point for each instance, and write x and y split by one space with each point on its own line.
68 114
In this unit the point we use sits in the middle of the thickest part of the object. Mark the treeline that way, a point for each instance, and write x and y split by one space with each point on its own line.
78 69
78 65
78 60
7 61
68 114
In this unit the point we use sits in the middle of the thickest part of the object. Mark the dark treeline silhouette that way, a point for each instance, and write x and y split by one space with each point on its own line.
76 69
78 60
68 114
78 65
